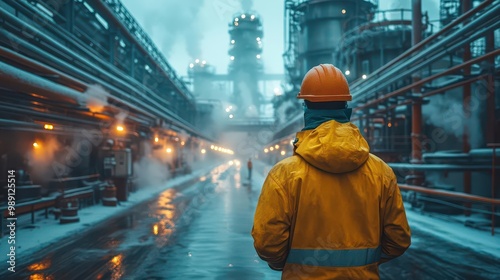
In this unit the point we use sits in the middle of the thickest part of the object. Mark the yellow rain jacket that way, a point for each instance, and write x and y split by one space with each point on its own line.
332 210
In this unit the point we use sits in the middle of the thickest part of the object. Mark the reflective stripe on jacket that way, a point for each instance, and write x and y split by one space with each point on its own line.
332 210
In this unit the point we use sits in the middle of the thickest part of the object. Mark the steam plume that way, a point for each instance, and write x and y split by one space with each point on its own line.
95 98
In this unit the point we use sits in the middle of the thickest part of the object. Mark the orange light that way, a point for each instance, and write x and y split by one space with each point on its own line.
389 124
48 126
155 229
117 260
36 145
120 128
156 139
40 266
169 150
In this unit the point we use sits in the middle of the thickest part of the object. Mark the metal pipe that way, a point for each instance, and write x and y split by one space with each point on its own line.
120 99
416 22
398 75
490 88
431 38
416 145
430 78
452 86
17 79
416 128
401 73
447 44
466 99
439 167
427 94
493 171
108 13
457 195
68 81
32 30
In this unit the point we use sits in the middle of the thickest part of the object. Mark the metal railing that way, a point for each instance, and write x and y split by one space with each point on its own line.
460 197
143 39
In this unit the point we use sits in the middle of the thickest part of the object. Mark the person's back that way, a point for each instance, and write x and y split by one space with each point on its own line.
336 210
249 166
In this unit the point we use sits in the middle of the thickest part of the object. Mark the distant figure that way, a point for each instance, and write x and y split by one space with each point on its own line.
249 165
332 210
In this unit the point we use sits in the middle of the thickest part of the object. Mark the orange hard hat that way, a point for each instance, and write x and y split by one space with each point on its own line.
324 83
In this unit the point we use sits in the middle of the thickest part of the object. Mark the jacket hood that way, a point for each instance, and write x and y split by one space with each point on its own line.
333 147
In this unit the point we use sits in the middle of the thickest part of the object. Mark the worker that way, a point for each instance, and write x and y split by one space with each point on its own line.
332 210
249 166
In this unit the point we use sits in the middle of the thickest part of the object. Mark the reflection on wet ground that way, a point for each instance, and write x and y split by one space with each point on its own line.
201 230
212 240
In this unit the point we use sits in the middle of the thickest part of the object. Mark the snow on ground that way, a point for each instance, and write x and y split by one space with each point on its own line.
453 230
47 232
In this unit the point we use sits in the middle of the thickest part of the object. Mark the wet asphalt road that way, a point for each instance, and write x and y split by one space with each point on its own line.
202 231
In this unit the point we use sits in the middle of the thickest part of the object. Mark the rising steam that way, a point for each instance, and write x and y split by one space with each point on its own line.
152 169
247 5
40 159
448 113
95 98
169 21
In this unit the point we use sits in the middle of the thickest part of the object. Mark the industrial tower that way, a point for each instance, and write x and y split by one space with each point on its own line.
245 68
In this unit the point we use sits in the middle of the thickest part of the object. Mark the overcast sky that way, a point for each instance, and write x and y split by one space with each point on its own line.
188 29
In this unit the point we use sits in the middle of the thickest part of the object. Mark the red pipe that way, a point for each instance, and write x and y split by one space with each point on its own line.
427 94
458 195
466 99
431 38
490 91
416 127
462 196
493 186
416 130
452 86
430 78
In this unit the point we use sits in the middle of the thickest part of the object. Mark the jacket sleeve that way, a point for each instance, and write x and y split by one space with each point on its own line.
396 236
271 227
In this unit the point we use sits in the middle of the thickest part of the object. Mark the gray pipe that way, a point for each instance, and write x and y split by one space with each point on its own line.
375 84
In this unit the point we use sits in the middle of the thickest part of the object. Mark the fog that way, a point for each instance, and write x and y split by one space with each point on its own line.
186 30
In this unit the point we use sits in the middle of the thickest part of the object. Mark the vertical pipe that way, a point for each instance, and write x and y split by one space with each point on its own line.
132 61
491 119
493 190
367 126
416 21
416 154
112 45
466 99
69 14
490 99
